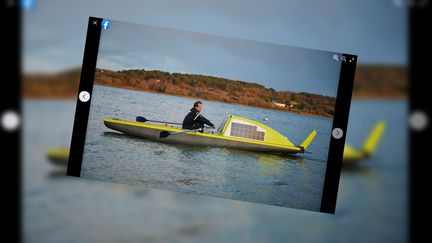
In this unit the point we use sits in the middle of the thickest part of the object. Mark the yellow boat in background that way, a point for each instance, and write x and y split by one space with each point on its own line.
369 145
58 156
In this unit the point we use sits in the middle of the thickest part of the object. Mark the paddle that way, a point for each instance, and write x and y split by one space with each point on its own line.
165 134
143 119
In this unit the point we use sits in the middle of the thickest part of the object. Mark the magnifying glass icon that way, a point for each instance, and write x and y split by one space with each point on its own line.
335 57
343 58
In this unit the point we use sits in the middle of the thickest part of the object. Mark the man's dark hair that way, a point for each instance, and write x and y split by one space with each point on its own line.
197 103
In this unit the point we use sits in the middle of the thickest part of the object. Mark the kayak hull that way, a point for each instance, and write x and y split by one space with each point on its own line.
152 132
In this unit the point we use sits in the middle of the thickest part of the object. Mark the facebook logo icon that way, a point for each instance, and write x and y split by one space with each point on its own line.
105 24
27 4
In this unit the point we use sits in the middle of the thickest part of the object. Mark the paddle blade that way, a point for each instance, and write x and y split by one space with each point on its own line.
164 134
140 119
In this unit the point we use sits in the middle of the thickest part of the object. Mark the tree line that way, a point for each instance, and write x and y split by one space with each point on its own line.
217 89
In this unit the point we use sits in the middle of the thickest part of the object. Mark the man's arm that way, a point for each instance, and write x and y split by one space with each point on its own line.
201 118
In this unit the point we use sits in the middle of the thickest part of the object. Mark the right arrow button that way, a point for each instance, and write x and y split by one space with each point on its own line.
337 133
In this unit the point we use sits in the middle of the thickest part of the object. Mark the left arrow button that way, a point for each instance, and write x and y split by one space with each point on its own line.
84 96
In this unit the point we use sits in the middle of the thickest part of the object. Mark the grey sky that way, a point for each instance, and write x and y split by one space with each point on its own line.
54 32
136 46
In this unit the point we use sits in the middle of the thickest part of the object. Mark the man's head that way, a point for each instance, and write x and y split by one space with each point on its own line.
198 106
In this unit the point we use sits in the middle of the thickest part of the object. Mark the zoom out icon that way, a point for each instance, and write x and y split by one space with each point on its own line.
105 24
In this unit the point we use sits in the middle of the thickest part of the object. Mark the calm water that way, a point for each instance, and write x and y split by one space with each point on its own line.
372 199
294 181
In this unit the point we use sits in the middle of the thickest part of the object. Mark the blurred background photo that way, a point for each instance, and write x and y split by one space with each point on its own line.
372 199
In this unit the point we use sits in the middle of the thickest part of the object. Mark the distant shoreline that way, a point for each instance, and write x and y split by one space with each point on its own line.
258 107
211 88
381 82
74 96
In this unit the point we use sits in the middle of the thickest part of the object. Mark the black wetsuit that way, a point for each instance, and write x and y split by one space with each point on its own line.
195 120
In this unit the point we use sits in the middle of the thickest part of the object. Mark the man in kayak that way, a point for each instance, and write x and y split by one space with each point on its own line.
194 119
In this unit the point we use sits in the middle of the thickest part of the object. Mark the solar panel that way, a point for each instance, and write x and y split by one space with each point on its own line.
246 131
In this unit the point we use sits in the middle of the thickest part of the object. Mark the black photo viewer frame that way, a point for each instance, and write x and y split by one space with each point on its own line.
11 101
340 120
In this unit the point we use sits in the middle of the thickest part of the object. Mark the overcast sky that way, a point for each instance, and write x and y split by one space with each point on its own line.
137 46
54 31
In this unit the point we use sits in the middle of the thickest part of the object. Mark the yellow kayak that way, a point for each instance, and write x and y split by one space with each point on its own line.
235 133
